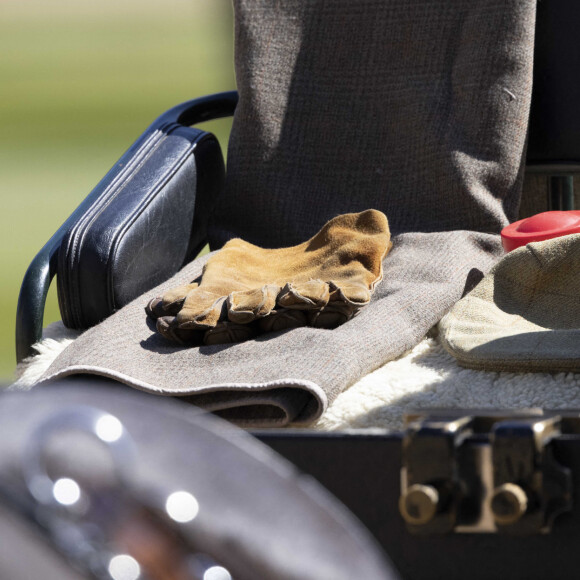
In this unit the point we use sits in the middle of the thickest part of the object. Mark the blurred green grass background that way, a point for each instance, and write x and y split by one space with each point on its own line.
79 82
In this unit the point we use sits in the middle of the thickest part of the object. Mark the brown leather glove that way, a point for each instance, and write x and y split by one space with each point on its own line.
245 289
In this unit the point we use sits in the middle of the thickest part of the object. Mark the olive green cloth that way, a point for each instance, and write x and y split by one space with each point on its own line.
524 315
246 290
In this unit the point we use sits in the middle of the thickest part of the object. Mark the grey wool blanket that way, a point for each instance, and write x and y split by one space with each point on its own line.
416 109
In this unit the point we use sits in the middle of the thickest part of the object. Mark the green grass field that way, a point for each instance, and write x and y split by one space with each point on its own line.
79 82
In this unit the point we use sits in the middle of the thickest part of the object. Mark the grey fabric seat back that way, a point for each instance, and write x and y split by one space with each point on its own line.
418 110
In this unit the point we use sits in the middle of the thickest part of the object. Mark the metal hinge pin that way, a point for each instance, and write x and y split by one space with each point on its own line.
509 503
419 504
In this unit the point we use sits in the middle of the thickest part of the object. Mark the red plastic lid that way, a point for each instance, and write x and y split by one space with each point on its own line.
542 226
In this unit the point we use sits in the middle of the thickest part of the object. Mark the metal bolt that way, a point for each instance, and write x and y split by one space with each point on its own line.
509 503
419 504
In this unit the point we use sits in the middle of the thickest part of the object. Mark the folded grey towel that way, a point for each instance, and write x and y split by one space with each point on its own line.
286 377
415 109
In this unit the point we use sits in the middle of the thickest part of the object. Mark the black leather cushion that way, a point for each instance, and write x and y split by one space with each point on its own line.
143 227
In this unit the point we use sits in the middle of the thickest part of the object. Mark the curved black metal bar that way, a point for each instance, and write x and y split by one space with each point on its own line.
36 282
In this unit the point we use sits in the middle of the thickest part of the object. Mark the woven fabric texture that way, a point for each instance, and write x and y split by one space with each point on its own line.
524 315
417 109
286 377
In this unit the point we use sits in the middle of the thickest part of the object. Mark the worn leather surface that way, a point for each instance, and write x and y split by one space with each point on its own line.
247 290
141 230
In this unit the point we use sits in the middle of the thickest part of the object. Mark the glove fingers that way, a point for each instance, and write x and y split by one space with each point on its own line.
353 294
170 303
246 306
344 302
201 310
282 319
167 328
222 333
330 316
228 332
310 295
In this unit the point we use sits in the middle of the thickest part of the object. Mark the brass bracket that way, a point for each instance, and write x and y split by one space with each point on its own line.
474 472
